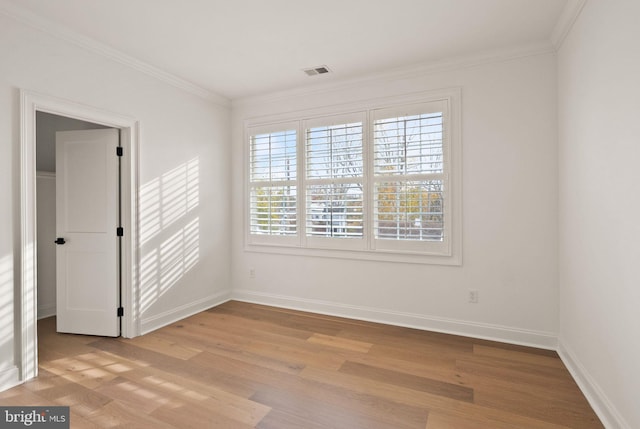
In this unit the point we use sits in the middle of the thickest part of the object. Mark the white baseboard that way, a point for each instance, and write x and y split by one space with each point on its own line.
545 340
603 407
47 310
168 317
9 378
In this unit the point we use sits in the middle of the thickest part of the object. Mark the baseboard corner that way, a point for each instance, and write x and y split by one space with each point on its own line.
545 340
158 321
9 378
603 407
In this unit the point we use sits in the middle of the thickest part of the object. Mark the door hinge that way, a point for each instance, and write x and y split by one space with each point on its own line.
119 151
120 231
120 311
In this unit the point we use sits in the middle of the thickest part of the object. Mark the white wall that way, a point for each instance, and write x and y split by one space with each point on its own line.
46 233
509 215
599 111
184 146
46 127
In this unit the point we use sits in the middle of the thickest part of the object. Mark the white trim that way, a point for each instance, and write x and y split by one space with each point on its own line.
305 182
249 184
45 175
9 378
405 257
453 63
445 106
389 76
603 407
130 257
46 310
565 23
364 104
485 331
300 245
182 312
54 29
31 103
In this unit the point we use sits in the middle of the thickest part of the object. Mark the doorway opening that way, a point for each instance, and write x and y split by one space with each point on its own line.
32 105
47 125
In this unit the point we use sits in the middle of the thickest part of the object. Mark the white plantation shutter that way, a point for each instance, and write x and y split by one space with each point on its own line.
273 182
410 177
334 151
408 144
334 169
409 210
378 184
273 156
273 210
335 210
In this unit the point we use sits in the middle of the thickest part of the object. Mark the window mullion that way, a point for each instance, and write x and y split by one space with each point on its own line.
301 153
410 177
404 145
367 182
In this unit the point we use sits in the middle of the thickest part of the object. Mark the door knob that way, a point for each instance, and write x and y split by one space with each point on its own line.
60 240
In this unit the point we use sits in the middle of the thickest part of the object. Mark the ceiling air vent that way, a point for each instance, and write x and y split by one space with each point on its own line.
316 70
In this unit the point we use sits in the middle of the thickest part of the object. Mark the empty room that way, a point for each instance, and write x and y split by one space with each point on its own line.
338 214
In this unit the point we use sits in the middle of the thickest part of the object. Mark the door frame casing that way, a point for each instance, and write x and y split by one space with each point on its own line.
31 103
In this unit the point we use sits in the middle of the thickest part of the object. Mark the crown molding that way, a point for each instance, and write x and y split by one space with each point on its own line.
64 33
416 70
565 22
561 30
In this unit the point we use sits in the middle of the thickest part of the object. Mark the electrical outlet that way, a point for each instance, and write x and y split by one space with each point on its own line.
252 273
473 296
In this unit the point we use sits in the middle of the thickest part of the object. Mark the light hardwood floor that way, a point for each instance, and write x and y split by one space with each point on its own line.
242 366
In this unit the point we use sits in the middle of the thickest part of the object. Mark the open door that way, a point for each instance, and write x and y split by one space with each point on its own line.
87 227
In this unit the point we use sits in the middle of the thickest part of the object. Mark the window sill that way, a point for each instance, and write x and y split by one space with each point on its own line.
396 256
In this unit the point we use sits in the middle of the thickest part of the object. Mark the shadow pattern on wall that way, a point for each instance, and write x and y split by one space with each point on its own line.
169 231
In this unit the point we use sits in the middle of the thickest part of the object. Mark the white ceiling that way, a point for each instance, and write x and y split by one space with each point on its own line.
239 48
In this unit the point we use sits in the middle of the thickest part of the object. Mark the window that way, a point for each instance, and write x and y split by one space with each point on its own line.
380 181
409 181
333 182
273 183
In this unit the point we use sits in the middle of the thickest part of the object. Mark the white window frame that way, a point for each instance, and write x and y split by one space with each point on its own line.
426 247
272 240
331 242
447 252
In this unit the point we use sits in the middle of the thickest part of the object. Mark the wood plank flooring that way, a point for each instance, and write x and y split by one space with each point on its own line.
243 366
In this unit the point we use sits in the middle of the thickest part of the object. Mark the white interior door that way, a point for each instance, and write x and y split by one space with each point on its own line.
87 218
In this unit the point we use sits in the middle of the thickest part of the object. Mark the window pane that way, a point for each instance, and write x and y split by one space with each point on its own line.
408 145
273 156
273 210
335 210
409 210
334 151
